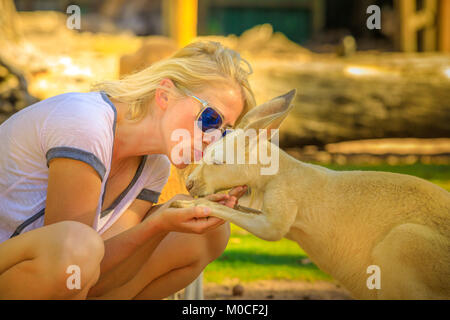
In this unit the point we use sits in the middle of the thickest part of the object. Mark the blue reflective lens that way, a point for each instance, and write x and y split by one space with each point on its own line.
210 119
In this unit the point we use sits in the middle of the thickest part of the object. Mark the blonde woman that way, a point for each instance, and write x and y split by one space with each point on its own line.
80 172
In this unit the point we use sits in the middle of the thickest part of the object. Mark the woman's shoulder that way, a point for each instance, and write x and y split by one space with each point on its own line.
82 126
80 109
82 113
84 104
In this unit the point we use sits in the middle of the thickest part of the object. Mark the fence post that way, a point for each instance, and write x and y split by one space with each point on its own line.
412 22
194 291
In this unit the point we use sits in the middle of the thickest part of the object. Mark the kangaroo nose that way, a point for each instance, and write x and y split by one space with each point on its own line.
189 185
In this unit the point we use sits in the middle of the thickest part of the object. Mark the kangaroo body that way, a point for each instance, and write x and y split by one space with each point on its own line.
347 222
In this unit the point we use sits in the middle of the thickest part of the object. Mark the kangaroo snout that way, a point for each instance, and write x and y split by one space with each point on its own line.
189 184
197 188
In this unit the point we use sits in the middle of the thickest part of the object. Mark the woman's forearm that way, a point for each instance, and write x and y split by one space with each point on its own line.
123 245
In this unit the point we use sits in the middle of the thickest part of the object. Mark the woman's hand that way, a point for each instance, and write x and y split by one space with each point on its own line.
188 220
231 199
195 219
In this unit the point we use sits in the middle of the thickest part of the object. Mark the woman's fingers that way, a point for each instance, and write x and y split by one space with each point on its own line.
238 191
191 220
199 212
201 220
205 223
202 225
235 194
230 199
231 202
218 197
222 198
184 214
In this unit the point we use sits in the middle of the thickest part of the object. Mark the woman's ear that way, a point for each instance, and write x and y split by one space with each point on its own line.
162 96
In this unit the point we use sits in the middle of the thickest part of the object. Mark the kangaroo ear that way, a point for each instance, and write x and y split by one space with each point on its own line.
268 115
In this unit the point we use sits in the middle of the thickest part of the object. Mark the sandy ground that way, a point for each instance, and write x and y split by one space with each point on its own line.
278 289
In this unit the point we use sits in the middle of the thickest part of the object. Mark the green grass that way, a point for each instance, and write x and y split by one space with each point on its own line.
249 258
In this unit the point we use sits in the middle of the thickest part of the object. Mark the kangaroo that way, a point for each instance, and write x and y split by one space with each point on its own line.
347 221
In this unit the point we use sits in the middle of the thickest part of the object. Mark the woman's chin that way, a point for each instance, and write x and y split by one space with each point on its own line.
180 165
194 158
181 162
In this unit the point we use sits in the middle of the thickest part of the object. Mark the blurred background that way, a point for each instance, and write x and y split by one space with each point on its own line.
367 99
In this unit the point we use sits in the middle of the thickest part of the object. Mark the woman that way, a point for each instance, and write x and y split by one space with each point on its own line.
80 172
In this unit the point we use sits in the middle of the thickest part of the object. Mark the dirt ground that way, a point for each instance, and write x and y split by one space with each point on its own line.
278 290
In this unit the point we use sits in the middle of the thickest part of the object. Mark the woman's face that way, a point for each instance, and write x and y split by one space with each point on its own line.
184 140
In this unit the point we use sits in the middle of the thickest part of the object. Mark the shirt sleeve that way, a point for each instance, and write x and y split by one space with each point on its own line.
79 133
158 177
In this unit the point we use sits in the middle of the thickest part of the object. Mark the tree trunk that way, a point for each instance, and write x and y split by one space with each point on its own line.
366 96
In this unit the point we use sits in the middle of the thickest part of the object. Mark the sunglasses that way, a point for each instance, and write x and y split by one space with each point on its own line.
209 117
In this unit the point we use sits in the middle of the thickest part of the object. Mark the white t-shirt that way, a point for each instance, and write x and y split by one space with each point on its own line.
79 126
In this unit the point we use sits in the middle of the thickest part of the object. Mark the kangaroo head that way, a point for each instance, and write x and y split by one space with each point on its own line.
242 155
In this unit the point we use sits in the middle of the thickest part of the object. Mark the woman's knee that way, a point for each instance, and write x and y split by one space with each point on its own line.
72 241
81 241
216 241
55 254
194 249
74 251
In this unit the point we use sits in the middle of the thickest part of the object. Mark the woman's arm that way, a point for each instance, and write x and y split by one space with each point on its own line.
124 244
73 193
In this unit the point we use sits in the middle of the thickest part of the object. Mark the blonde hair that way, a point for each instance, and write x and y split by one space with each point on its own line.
192 68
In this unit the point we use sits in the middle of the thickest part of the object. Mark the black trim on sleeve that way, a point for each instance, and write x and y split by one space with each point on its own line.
149 195
77 154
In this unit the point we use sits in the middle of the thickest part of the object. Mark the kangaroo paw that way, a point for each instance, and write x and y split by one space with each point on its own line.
211 204
182 204
252 220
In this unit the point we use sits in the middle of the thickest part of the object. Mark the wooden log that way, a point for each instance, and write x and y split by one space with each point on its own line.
366 96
